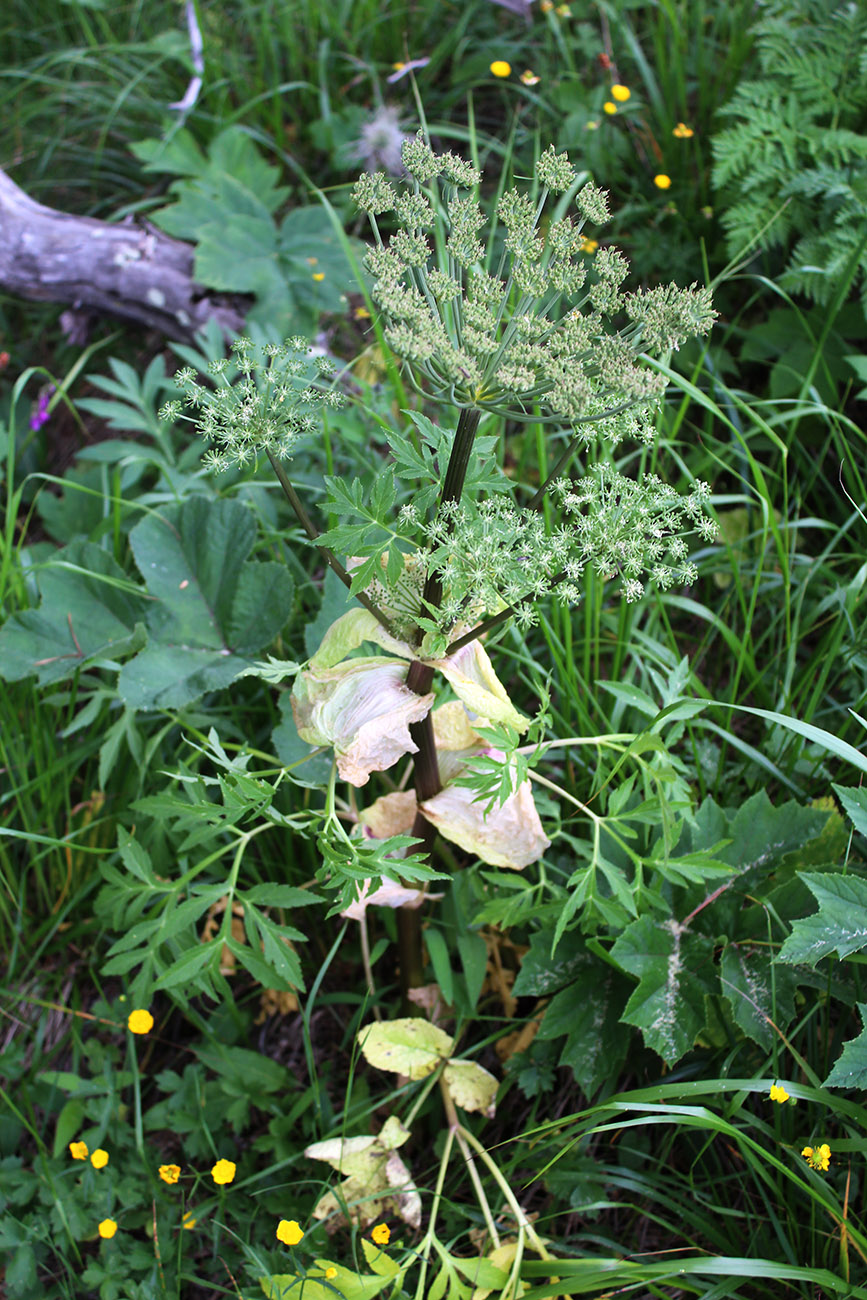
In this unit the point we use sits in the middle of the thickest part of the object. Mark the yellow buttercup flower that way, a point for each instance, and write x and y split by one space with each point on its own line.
107 1229
189 1221
99 1158
778 1093
330 1272
818 1157
662 182
78 1150
381 1234
140 1022
620 93
609 107
223 1171
318 275
500 68
169 1173
589 245
682 131
289 1231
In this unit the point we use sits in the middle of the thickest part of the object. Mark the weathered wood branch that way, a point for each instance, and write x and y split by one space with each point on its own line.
129 270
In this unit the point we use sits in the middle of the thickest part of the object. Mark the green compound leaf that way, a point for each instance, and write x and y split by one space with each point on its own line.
89 611
840 925
674 970
760 838
760 993
850 1069
854 802
543 973
589 1013
344 1282
413 1047
471 1086
214 609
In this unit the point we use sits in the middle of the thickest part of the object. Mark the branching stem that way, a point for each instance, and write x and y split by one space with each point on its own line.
328 556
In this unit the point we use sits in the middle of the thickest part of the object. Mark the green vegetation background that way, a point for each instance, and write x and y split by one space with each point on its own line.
725 718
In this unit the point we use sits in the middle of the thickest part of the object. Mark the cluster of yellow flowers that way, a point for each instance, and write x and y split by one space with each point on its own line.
140 1021
98 1158
619 95
289 1231
818 1158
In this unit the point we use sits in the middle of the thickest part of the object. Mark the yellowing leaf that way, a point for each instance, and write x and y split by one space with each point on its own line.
377 1183
471 1086
376 1257
410 1046
501 1259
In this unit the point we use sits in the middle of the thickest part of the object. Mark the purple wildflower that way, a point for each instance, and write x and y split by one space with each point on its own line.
40 415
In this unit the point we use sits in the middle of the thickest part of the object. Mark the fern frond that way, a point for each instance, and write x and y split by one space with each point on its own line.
797 139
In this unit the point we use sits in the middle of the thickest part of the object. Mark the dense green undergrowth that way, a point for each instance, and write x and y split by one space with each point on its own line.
632 1054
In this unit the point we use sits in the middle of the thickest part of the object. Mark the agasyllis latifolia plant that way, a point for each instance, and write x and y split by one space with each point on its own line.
526 327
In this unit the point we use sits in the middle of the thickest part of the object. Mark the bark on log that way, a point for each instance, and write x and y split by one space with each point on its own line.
131 270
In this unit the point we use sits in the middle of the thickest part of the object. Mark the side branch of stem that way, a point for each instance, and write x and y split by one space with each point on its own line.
328 556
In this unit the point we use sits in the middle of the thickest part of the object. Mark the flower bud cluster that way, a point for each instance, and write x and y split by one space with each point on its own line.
535 334
267 408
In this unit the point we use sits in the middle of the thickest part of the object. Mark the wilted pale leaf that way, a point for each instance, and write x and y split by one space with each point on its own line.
356 1155
378 1182
508 835
392 814
363 708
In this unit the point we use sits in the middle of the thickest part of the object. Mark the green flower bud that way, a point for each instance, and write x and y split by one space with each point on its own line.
374 194
555 170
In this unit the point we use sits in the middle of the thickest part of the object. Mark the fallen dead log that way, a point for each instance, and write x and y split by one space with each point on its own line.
131 270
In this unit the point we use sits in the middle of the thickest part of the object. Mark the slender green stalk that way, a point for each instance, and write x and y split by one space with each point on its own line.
455 1127
524 1223
328 556
496 620
437 1197
566 456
